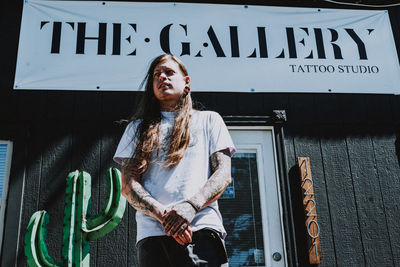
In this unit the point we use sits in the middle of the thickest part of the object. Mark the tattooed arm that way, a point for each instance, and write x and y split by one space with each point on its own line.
217 183
136 195
142 201
183 213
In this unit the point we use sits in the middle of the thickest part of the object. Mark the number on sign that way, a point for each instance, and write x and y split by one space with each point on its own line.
310 209
313 207
309 188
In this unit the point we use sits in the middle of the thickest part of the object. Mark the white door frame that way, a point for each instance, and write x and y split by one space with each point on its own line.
264 186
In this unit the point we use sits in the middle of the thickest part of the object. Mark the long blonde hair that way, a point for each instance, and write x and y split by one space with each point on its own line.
149 114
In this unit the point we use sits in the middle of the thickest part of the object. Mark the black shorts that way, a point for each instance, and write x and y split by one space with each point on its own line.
206 250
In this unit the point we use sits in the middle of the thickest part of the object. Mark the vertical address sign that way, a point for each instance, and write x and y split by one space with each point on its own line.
310 210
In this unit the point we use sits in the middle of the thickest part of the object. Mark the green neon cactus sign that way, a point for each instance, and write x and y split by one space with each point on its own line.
78 229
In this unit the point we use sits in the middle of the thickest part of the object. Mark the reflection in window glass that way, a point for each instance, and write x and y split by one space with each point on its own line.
3 158
241 211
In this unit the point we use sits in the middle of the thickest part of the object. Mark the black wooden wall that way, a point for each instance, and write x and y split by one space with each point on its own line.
353 142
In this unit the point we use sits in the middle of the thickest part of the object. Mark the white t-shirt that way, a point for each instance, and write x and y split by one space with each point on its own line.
208 134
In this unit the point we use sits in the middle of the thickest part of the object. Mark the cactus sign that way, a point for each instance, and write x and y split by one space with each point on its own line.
79 229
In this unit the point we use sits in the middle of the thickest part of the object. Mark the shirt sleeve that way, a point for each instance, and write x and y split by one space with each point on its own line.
220 139
127 144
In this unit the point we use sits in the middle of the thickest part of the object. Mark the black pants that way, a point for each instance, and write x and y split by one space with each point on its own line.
206 250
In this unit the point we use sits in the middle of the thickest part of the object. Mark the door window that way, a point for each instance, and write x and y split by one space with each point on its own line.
5 162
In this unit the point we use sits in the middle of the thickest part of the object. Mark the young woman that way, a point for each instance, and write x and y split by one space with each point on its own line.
176 163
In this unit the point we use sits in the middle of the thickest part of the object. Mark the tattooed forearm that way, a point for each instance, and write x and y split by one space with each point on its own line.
221 177
136 194
140 198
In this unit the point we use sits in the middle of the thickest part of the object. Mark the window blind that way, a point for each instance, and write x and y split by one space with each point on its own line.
3 161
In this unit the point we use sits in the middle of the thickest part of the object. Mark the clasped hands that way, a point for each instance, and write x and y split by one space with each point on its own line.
176 222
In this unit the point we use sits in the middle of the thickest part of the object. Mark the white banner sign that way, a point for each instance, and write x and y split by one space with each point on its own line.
90 45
